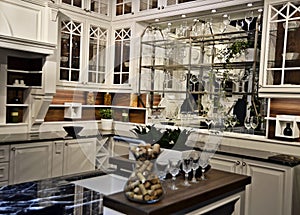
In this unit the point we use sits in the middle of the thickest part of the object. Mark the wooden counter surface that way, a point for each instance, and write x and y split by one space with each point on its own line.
219 184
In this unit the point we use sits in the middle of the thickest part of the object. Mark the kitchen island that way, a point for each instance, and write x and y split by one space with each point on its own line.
222 193
83 194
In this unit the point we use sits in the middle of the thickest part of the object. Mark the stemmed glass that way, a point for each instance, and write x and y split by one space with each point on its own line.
219 79
254 122
174 167
186 167
249 18
205 79
226 123
247 123
225 22
208 121
233 121
203 164
161 168
195 165
194 79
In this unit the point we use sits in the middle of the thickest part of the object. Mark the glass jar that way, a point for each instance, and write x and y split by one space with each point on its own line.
144 185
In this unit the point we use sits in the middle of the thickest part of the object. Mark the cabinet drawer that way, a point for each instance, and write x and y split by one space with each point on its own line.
4 153
3 171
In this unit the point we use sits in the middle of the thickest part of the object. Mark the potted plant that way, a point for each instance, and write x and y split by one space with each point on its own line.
234 50
106 119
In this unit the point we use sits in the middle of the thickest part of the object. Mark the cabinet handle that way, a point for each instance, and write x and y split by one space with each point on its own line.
66 144
244 164
237 163
162 7
132 13
158 8
13 148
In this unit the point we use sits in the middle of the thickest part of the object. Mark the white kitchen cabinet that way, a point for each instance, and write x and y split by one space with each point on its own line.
271 189
281 48
99 8
4 164
83 51
30 161
79 156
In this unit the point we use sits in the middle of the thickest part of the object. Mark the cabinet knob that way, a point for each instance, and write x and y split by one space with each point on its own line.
237 163
162 7
13 148
66 144
132 13
243 164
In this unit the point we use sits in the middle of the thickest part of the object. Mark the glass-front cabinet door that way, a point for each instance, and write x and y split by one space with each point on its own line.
282 62
97 54
70 57
122 56
83 47
95 6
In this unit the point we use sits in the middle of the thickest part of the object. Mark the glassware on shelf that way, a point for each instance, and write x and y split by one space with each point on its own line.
226 122
233 121
249 18
247 123
174 168
225 22
194 79
239 25
186 167
254 121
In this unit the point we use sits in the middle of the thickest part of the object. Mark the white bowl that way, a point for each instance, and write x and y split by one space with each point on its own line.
291 55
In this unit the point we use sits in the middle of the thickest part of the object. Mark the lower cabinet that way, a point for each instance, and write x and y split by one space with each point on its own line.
79 156
40 160
30 161
271 189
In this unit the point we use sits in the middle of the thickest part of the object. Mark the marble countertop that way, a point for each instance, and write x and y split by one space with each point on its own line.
57 196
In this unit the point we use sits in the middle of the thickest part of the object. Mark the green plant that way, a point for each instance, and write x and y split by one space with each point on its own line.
167 138
105 113
234 50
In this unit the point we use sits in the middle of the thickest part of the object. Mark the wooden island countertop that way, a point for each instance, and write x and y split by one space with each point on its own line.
219 185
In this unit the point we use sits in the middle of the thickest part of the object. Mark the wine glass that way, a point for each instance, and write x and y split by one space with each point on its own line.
233 121
247 123
186 167
239 25
195 165
219 78
225 22
174 167
161 168
206 79
208 122
203 164
249 18
226 123
194 79
254 122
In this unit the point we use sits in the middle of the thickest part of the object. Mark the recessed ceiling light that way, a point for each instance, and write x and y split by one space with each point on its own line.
183 15
169 24
213 10
156 20
260 10
225 15
249 5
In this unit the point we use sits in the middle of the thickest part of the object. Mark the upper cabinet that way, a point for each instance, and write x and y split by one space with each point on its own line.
83 48
281 65
93 7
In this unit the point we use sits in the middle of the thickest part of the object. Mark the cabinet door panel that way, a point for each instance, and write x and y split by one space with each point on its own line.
226 164
266 193
30 162
79 156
